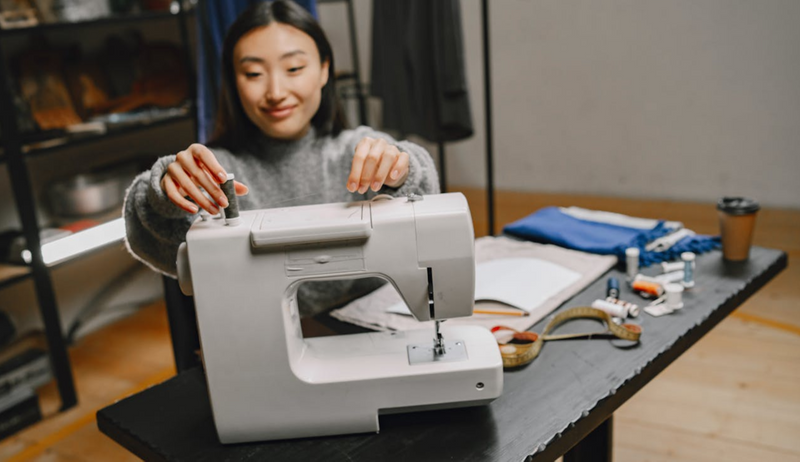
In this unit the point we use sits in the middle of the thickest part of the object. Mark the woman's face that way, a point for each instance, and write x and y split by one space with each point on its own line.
279 78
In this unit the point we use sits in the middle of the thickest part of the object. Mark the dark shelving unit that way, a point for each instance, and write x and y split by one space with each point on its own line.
17 148
117 19
12 274
39 147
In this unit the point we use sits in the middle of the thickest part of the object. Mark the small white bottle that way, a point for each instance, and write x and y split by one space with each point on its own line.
632 262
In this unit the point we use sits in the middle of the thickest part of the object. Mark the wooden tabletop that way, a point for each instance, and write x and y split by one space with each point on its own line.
546 407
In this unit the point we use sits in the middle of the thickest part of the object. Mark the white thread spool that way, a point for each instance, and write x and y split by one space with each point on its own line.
633 309
674 296
645 278
611 308
632 262
669 267
666 278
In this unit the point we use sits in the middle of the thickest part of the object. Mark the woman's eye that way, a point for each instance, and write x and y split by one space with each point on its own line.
252 74
292 70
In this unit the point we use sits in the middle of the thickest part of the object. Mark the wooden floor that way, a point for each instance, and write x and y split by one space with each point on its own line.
735 396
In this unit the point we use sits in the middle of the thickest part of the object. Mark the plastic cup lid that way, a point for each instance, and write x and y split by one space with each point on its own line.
738 205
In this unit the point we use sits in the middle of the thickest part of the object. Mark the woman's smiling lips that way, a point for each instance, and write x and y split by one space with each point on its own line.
279 112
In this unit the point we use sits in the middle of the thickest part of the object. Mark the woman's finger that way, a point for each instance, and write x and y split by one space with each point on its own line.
241 188
371 164
173 193
193 164
387 161
362 150
207 157
399 172
185 181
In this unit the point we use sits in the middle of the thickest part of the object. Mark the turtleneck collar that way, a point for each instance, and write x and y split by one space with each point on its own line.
263 144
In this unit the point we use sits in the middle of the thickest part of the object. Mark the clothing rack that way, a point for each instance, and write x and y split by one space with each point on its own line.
487 97
355 74
487 94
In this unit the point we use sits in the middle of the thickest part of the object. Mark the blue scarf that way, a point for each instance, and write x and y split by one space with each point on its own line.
551 225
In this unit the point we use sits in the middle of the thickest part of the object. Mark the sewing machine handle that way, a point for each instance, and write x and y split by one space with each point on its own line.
184 271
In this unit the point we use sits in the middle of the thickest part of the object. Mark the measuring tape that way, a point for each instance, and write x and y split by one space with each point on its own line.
516 355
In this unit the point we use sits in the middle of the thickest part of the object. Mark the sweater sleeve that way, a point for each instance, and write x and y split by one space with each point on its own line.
422 176
154 226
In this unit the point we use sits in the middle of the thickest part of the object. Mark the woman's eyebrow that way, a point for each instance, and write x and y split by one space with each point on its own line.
292 53
251 59
256 59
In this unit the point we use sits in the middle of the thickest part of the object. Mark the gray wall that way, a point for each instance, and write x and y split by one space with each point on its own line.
678 99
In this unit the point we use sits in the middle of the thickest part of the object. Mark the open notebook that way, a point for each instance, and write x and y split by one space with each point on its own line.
510 274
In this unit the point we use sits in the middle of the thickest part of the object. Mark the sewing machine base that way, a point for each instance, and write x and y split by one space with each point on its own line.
342 383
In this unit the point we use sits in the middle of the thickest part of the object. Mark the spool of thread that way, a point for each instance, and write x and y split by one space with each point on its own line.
642 277
650 289
674 297
231 212
633 309
632 262
611 308
674 276
612 288
688 269
669 267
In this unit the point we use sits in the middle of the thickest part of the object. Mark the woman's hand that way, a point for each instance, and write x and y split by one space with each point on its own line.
194 168
376 163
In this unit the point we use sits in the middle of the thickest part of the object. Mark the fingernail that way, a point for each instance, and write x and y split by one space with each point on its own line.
214 211
222 176
193 208
376 186
363 189
394 174
352 186
223 201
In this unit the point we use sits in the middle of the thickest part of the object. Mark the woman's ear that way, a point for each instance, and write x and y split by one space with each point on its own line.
323 78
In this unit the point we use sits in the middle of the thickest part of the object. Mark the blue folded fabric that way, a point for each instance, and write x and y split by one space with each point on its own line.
551 225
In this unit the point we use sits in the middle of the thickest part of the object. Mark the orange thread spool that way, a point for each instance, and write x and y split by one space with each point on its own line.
650 288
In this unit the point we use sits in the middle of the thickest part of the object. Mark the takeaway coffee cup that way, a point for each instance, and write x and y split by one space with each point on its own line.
737 219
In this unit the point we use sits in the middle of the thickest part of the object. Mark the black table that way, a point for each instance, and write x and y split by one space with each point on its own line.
561 403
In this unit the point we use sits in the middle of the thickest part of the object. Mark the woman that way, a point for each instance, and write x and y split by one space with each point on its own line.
281 133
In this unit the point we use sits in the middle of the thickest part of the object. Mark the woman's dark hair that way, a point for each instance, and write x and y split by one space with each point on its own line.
233 126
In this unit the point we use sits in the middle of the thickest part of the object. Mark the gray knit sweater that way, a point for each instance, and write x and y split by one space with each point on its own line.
279 173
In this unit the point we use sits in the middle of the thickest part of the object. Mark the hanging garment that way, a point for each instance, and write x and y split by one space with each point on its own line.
418 68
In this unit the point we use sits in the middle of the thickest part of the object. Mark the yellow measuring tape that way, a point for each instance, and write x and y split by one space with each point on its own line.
516 355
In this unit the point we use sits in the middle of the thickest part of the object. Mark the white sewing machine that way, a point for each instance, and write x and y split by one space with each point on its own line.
267 382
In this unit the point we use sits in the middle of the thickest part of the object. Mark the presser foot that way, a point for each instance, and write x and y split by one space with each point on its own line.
438 345
438 341
454 350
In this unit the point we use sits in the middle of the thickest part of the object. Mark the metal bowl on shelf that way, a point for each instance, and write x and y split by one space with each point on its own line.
89 194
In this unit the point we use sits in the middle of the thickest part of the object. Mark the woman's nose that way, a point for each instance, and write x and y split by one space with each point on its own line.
276 91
